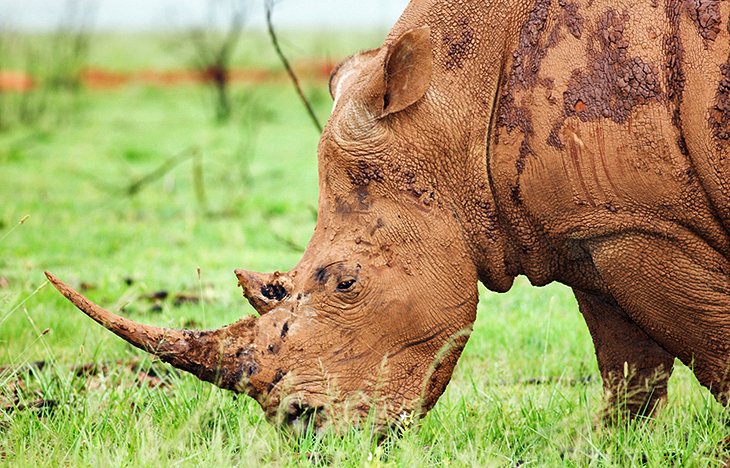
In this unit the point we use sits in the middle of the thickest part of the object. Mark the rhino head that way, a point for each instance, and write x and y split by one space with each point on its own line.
377 311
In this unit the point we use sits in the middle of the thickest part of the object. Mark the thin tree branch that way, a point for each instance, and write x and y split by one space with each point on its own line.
202 49
238 19
137 185
213 51
295 81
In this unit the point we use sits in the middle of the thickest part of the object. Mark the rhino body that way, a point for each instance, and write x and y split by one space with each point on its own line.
585 142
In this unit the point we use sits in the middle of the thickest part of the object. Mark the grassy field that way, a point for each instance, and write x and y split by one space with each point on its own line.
243 194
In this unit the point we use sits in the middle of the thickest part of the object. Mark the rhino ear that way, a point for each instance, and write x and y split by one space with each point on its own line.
347 72
408 69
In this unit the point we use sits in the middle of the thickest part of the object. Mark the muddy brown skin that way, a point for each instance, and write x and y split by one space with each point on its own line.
585 142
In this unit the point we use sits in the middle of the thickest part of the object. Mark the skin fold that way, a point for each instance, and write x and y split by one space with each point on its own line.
584 142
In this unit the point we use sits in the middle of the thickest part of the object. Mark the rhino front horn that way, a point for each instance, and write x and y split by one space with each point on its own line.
224 357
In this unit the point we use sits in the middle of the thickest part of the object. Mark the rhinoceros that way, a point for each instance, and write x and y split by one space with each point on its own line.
580 141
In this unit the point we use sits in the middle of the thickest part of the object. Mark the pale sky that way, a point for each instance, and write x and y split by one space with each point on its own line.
168 14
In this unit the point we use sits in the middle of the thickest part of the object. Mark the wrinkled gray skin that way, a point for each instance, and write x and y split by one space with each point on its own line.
564 141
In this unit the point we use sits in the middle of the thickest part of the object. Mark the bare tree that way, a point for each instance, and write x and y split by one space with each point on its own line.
70 45
53 66
214 44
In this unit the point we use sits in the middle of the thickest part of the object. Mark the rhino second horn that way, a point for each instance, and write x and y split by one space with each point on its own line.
263 291
222 357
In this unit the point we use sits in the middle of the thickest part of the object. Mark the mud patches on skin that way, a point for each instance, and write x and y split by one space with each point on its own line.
532 50
407 181
705 14
512 117
527 61
536 39
613 84
572 18
529 55
674 59
459 45
720 114
364 173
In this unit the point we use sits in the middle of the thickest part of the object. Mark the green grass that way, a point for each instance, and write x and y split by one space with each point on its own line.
128 52
261 186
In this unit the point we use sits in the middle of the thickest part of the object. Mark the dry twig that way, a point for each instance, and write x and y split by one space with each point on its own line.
295 81
171 163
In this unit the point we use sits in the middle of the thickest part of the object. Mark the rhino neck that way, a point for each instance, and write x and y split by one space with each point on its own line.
472 41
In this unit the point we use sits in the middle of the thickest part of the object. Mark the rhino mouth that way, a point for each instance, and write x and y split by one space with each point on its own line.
302 416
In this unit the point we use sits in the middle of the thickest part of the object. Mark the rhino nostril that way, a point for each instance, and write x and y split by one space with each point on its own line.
275 292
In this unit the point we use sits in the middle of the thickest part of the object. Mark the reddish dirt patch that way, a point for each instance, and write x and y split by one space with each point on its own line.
100 79
15 81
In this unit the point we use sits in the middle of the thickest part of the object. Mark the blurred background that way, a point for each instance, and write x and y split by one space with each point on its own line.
152 146
155 15
101 43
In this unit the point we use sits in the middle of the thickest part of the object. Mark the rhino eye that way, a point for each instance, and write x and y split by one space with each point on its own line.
345 285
